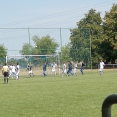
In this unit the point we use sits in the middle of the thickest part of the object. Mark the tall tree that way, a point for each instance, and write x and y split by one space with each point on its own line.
3 53
27 49
42 46
45 45
75 50
87 36
66 53
109 44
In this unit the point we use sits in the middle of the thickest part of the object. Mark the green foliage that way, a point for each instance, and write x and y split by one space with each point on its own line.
26 49
3 53
42 46
88 33
45 45
93 39
22 62
75 43
66 53
109 44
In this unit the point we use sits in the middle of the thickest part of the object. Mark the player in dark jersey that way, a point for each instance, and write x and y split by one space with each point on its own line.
30 71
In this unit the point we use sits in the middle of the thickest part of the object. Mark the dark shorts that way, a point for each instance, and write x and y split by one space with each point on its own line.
6 74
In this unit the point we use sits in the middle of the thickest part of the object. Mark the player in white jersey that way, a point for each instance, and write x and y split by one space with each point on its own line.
17 69
13 71
54 65
75 68
10 70
101 67
64 69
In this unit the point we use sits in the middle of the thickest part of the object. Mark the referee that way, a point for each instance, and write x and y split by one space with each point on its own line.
5 72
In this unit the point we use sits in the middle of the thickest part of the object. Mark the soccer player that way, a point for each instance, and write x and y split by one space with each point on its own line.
54 65
75 68
82 67
44 69
5 72
69 69
10 70
101 67
30 72
13 71
17 71
64 70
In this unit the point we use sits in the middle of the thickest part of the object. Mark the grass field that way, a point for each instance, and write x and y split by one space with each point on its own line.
73 96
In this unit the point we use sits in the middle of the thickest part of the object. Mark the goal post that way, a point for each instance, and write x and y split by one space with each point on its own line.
36 61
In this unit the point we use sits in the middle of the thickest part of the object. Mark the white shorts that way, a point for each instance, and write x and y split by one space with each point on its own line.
17 73
101 69
53 70
74 70
64 71
30 72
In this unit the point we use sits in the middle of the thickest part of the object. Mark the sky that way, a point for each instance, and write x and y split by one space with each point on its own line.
51 17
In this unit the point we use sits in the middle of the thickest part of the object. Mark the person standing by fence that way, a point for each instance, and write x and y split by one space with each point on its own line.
5 72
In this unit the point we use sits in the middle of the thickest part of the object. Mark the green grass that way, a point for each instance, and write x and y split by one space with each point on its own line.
79 96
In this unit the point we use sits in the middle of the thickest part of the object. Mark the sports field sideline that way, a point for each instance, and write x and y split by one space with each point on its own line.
39 71
54 96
